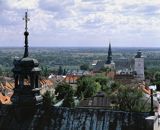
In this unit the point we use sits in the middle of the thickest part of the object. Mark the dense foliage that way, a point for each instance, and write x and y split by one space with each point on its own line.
69 99
131 99
48 99
126 98
65 92
87 87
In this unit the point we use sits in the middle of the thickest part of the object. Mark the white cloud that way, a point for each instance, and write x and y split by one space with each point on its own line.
22 4
122 21
40 21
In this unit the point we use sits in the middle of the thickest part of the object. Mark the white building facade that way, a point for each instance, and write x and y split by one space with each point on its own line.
139 66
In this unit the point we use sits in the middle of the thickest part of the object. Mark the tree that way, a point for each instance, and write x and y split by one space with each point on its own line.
69 99
48 99
1 70
87 87
62 90
105 69
130 99
114 86
103 81
44 71
84 67
65 92
60 70
157 80
157 76
64 72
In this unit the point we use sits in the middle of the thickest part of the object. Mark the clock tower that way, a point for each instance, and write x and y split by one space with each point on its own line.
139 66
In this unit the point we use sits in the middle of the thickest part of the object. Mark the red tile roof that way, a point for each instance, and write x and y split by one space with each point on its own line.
5 99
71 78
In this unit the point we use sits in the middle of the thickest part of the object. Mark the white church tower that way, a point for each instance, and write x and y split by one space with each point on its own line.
139 66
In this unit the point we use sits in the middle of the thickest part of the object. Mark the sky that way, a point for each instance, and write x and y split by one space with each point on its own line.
81 23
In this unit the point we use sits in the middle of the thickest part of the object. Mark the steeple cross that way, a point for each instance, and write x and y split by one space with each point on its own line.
26 20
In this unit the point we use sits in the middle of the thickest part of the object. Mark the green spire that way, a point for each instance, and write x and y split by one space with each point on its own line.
109 57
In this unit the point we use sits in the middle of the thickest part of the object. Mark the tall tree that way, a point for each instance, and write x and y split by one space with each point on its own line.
60 70
69 99
1 70
64 72
48 99
157 80
44 71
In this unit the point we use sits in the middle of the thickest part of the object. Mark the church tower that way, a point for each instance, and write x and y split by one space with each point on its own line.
109 63
139 66
109 57
26 95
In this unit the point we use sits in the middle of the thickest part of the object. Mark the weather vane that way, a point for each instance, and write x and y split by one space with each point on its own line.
26 20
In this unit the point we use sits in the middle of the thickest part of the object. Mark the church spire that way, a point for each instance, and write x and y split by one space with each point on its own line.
26 33
109 57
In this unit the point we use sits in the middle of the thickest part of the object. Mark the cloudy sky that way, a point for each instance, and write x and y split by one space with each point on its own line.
133 23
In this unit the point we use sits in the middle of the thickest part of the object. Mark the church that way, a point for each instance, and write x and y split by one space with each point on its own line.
123 67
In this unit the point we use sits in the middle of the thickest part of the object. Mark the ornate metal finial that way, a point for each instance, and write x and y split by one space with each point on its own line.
26 34
26 20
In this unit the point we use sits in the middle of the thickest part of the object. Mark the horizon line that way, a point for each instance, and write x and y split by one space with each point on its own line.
78 47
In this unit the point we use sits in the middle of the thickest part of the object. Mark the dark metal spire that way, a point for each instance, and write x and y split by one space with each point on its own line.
109 57
26 33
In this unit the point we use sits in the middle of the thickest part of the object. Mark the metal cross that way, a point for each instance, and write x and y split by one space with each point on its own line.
26 20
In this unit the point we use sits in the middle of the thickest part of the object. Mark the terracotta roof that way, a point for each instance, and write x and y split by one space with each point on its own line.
10 85
4 99
46 81
7 86
71 78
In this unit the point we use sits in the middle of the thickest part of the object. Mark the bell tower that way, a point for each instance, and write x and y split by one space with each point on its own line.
26 72
139 66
